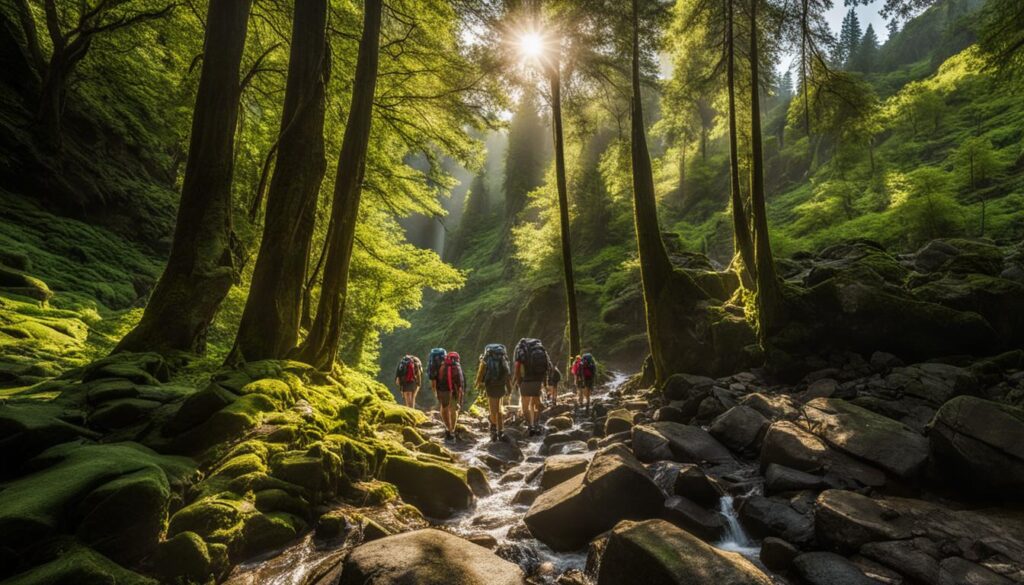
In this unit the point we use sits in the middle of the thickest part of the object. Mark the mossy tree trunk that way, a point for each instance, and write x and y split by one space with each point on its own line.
770 308
270 321
741 228
554 76
321 345
200 269
671 297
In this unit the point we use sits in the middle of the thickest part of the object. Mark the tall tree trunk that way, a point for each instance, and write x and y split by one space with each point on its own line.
200 269
804 34
740 226
270 321
563 208
321 345
770 310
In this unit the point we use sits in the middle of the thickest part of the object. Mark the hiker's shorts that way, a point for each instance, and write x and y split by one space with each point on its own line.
495 391
530 388
444 398
410 386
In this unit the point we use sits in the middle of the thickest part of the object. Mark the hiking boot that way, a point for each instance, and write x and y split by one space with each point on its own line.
494 435
448 436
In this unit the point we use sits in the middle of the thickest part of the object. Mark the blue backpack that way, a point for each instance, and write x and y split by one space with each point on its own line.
434 362
496 367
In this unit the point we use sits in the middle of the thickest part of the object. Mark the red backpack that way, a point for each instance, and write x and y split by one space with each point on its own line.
451 373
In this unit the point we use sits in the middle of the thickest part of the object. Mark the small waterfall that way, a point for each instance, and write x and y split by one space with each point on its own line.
735 540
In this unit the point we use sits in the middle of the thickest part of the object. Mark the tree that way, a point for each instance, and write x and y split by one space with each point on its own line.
770 307
849 40
863 59
72 28
201 268
269 327
321 345
1001 34
743 245
977 163
525 160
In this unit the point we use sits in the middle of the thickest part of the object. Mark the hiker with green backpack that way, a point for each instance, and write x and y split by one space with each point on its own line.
409 378
493 375
531 373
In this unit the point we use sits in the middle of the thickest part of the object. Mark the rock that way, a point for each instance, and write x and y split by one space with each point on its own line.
934 383
526 496
560 423
184 555
655 552
823 388
740 428
568 515
776 517
559 468
426 557
569 448
777 554
825 568
847 520
695 485
779 478
618 421
704 524
787 444
438 491
916 558
883 361
74 564
772 407
685 386
27 429
613 439
957 571
477 480
979 445
879 440
678 442
877 572
506 451
485 540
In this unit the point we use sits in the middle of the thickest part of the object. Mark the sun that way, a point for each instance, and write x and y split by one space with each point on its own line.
531 45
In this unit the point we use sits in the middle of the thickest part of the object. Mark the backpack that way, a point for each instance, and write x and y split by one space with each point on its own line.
496 368
588 366
407 369
452 373
434 362
533 356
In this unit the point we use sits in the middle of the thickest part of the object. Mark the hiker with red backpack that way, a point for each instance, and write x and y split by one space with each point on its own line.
450 388
584 371
494 376
409 378
552 382
531 373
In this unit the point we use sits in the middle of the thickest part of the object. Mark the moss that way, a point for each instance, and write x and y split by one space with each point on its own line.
265 532
333 525
78 565
279 500
30 427
371 493
276 390
240 465
185 554
399 414
118 414
124 518
317 470
438 490
216 519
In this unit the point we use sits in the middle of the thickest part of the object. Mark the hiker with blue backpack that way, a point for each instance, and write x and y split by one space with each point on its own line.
584 371
531 374
494 376
409 378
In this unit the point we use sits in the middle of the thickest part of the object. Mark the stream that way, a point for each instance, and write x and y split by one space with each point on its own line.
309 562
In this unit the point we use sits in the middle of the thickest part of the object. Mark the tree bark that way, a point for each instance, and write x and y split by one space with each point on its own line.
770 310
741 228
563 209
200 269
270 321
321 345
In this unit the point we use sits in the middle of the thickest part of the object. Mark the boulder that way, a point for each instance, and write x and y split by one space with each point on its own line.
787 444
693 484
979 445
958 571
772 407
705 524
427 557
559 468
777 554
506 451
677 442
870 437
655 552
779 478
740 428
776 517
437 490
846 520
618 421
916 558
686 386
825 568
614 487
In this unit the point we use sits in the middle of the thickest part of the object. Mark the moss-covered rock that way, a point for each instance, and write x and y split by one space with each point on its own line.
438 490
29 427
266 532
184 555
215 519
78 565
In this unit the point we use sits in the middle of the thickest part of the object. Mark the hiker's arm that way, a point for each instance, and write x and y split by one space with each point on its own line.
479 380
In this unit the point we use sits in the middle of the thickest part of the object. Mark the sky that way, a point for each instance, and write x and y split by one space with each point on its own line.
865 14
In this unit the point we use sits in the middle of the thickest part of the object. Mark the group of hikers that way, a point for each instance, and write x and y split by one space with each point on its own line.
531 372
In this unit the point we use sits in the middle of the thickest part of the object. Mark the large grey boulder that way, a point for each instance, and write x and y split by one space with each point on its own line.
870 437
979 444
825 568
655 552
740 428
677 442
615 487
427 557
559 468
787 444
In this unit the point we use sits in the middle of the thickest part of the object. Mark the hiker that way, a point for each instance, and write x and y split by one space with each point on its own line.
434 362
584 371
493 376
531 371
450 388
409 378
553 380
